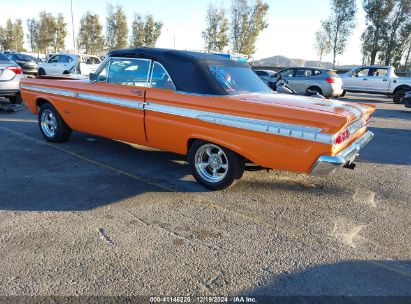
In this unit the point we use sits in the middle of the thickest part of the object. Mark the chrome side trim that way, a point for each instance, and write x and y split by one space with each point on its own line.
327 164
113 101
50 91
252 124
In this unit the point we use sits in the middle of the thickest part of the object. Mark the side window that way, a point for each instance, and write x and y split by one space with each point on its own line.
362 72
129 71
380 72
261 73
160 78
102 76
303 73
287 73
65 59
54 59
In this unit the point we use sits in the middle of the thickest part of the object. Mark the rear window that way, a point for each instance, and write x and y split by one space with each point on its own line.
3 58
89 60
25 57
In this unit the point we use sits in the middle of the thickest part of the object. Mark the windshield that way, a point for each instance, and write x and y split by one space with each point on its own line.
3 58
236 80
25 57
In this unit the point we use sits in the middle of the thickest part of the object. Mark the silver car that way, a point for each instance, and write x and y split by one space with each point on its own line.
268 76
324 82
10 75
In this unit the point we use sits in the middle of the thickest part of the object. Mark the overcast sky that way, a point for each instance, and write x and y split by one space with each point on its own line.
292 23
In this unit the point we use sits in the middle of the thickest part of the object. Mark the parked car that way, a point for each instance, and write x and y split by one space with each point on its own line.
60 64
376 80
269 77
406 100
10 76
325 82
28 64
215 110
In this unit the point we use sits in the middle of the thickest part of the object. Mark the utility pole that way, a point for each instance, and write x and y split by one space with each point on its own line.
174 36
72 25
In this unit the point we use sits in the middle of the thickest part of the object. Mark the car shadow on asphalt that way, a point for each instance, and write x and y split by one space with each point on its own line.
393 114
342 282
386 148
85 173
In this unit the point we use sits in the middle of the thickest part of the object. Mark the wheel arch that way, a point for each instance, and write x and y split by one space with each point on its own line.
401 87
41 101
222 143
315 87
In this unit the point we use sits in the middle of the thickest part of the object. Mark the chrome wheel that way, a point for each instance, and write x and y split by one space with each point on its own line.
48 122
211 163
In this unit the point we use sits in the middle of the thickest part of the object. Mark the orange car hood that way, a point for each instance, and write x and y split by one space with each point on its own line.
351 110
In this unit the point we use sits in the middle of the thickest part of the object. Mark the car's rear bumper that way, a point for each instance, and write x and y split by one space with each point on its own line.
327 164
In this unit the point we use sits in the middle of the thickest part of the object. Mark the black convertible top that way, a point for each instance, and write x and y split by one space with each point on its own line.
188 70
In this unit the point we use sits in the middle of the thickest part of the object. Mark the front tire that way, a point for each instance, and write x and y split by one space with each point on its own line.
16 99
52 126
398 95
41 72
314 89
213 166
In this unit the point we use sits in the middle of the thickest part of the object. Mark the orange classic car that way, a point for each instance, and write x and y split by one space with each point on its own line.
212 109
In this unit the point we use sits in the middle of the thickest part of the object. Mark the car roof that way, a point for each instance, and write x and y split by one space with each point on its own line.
267 71
188 70
154 53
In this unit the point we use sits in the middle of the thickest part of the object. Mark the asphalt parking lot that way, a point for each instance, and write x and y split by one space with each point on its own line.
99 217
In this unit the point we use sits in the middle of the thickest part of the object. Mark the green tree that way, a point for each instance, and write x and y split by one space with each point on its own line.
376 14
247 21
152 30
12 36
47 30
338 27
145 32
60 33
2 38
33 35
396 33
216 34
137 32
322 44
90 37
116 28
18 36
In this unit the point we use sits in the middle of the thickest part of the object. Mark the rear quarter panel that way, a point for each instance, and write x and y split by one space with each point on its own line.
173 132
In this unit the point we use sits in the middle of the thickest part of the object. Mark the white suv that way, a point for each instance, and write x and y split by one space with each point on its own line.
60 64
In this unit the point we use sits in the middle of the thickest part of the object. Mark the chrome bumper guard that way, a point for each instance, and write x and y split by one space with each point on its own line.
327 164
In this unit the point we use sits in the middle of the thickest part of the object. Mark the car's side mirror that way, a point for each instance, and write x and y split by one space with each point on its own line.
92 77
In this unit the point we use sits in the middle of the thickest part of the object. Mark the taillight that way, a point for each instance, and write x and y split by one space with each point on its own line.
330 80
342 137
16 70
367 120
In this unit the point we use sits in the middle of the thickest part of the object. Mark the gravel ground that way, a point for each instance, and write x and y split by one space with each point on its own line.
99 217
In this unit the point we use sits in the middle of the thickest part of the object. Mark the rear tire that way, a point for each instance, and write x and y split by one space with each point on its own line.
343 93
315 89
52 126
16 99
41 72
398 95
213 166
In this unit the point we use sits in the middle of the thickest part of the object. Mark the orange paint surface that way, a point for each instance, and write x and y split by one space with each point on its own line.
173 132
